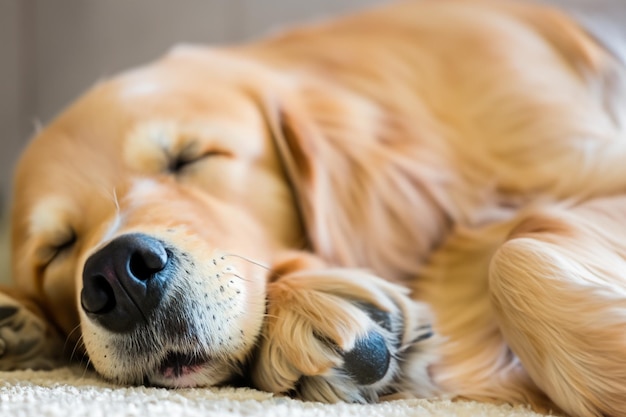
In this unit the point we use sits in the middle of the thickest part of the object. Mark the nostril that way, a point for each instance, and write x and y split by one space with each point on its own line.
143 264
97 296
124 281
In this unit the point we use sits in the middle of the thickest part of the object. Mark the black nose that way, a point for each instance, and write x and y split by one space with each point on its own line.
124 282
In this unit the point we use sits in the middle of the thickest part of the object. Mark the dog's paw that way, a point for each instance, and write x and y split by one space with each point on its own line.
344 335
26 340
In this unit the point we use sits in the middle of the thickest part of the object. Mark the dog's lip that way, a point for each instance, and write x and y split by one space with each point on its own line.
179 364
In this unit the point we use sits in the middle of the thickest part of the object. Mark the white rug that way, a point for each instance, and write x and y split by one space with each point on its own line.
70 392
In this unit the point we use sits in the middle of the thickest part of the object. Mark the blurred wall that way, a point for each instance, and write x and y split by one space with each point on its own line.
11 97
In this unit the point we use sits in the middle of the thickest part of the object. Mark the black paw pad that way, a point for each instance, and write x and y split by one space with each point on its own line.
369 361
7 312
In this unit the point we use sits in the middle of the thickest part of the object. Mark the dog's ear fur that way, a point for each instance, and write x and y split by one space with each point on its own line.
349 165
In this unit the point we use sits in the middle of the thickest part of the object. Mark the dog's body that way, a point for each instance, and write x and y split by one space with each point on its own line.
471 152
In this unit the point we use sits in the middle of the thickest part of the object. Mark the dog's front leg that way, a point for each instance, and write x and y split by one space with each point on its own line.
27 340
338 334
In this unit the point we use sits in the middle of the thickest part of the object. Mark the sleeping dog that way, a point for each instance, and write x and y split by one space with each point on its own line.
424 199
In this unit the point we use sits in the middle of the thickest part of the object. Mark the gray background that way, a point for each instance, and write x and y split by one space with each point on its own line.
51 50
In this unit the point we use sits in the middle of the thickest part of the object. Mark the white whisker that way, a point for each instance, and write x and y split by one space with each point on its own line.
78 342
116 201
248 260
86 368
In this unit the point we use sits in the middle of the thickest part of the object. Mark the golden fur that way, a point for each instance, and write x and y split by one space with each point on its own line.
470 151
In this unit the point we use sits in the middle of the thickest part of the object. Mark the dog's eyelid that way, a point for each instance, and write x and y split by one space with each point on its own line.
177 163
58 245
69 241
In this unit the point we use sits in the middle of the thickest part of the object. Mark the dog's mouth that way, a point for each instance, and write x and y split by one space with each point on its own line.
176 365
179 370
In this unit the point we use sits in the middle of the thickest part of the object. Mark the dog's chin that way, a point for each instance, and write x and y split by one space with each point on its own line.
175 368
182 366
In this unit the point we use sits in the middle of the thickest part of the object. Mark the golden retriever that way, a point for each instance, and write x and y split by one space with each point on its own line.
424 199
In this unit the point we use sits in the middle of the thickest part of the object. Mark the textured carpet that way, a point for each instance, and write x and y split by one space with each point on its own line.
70 392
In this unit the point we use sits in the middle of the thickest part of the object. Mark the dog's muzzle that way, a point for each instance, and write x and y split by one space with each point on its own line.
124 282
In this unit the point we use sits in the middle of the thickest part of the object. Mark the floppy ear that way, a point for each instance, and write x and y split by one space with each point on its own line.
318 141
287 127
357 181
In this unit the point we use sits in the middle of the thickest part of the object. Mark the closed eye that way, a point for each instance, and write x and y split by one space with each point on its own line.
59 248
181 161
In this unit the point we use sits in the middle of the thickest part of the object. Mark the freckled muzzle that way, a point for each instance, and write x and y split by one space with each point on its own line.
124 282
169 310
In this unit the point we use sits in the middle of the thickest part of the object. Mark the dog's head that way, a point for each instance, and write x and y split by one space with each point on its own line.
150 215
147 212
